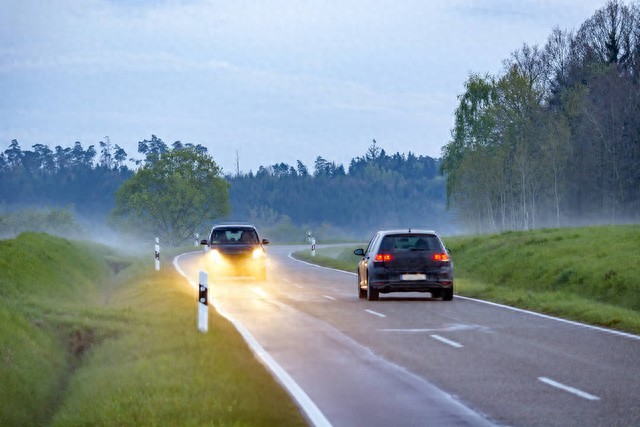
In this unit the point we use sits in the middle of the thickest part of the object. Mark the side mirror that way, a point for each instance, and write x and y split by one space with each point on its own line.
204 242
265 242
359 252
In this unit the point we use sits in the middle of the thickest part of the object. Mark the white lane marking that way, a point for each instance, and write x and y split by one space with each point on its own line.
320 266
533 313
329 297
446 341
286 280
260 292
375 313
445 328
544 316
571 390
314 414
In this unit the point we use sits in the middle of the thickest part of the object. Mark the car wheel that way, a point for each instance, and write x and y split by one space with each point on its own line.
447 294
372 294
362 293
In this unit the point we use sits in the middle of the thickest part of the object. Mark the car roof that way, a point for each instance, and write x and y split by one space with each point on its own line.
233 225
406 231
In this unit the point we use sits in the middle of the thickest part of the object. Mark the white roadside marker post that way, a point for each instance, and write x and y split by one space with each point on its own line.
197 241
203 303
313 246
157 254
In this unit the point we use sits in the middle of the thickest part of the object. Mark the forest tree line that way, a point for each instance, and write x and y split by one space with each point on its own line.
376 190
555 139
327 198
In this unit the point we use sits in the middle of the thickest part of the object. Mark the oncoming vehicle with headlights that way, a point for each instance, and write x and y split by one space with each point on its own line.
405 261
236 250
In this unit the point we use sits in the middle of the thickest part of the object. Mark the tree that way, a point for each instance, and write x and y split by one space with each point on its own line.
154 149
120 156
302 169
14 154
178 193
373 152
106 158
608 36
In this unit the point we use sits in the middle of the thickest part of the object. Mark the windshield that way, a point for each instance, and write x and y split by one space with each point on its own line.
416 242
234 235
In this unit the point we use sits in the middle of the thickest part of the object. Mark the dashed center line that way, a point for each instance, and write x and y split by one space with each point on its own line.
375 313
446 341
569 389
329 297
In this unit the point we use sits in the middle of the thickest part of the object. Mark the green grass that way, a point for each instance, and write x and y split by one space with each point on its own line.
589 274
338 257
90 337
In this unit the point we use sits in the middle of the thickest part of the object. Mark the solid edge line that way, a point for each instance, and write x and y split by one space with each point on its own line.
569 389
303 400
319 266
545 316
520 310
446 341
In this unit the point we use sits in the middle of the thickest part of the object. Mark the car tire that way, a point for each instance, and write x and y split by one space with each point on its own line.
447 294
362 293
372 294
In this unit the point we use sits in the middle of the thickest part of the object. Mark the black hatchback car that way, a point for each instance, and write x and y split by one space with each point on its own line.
236 250
405 261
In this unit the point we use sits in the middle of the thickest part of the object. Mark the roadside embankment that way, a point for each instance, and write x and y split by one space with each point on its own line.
91 336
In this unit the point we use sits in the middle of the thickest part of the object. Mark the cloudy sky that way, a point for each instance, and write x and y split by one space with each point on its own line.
273 80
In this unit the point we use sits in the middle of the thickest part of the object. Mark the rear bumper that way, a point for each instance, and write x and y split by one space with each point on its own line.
391 282
409 286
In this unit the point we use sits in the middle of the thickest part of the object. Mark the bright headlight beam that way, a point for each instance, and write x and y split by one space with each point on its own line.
260 292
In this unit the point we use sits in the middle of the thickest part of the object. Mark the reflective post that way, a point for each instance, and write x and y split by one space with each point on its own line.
203 302
157 254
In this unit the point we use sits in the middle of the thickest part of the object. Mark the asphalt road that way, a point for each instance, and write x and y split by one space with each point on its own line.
409 360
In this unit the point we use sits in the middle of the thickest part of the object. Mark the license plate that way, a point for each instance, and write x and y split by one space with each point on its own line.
413 277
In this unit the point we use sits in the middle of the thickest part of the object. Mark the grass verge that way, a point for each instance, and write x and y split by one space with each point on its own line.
119 346
588 274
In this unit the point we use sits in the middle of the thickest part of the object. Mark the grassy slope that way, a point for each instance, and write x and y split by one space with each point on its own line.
35 268
122 349
589 274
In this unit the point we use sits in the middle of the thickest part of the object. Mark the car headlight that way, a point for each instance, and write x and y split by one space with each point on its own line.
258 253
214 254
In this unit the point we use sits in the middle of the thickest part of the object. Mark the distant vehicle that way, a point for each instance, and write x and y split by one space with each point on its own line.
236 250
405 261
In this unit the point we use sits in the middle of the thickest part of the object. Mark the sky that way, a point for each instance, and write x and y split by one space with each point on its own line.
256 82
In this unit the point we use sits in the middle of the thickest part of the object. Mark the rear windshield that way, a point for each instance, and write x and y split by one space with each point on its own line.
417 242
234 235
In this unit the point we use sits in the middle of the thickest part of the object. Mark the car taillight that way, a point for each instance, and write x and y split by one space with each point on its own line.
441 257
383 257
